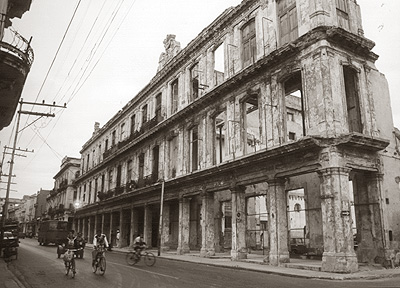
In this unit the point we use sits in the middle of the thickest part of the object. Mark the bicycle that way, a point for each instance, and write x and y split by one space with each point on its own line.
133 257
100 261
69 261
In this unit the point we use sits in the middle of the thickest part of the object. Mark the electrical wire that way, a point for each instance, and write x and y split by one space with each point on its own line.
55 56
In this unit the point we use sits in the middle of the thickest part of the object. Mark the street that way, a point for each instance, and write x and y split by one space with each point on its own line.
38 266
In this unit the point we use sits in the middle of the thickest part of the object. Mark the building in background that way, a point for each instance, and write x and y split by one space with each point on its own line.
60 200
275 102
16 57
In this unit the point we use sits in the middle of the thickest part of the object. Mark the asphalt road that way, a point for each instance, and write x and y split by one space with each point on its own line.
38 266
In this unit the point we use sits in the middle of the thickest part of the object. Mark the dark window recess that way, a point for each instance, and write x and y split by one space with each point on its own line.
144 114
119 169
387 200
141 166
352 99
390 235
155 167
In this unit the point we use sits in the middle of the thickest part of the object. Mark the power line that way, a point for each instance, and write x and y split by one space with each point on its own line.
55 56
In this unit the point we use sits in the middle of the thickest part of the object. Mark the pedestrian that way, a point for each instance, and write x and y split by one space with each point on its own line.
117 237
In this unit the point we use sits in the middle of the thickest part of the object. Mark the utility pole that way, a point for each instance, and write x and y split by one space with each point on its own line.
20 111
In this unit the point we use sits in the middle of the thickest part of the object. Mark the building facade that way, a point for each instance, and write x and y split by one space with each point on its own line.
60 200
272 98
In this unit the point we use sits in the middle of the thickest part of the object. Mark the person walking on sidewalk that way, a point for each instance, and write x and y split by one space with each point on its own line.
118 237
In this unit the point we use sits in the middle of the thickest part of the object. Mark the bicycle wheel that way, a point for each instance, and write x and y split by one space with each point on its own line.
149 259
94 266
67 264
73 267
102 265
131 258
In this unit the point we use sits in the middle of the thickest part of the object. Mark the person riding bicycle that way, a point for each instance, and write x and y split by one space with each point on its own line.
69 243
139 244
100 239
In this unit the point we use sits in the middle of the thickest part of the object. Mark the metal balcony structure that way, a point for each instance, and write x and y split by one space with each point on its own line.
16 58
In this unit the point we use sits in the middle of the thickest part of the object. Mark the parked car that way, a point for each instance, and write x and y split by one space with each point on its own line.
297 246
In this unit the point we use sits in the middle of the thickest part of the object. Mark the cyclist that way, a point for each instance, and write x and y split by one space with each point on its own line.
138 244
69 243
100 239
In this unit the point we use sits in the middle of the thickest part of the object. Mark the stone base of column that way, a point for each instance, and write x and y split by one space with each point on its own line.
182 250
164 248
238 255
339 262
276 259
207 252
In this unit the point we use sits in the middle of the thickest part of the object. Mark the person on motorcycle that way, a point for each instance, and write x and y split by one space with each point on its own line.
99 239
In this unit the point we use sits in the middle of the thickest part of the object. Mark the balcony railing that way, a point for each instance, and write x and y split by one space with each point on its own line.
17 45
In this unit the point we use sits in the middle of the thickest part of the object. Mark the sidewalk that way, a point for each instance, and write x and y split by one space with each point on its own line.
297 268
8 280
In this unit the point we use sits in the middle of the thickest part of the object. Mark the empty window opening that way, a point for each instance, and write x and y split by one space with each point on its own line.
113 136
174 96
352 99
194 149
129 171
219 65
220 136
141 167
102 182
194 82
156 162
295 125
106 145
249 43
144 114
119 172
288 24
251 121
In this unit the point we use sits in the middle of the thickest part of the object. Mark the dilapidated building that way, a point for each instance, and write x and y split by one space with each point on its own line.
275 110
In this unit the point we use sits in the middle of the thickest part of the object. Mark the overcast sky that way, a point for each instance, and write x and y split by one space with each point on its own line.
97 75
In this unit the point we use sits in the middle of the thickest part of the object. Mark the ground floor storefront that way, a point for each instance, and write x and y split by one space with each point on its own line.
316 201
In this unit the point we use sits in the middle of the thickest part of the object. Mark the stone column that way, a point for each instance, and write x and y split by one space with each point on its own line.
339 255
165 228
183 234
96 223
147 225
134 225
378 229
102 224
121 228
112 228
207 225
239 249
277 220
90 228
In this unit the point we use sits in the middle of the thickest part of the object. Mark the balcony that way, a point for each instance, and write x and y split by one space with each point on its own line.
16 57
